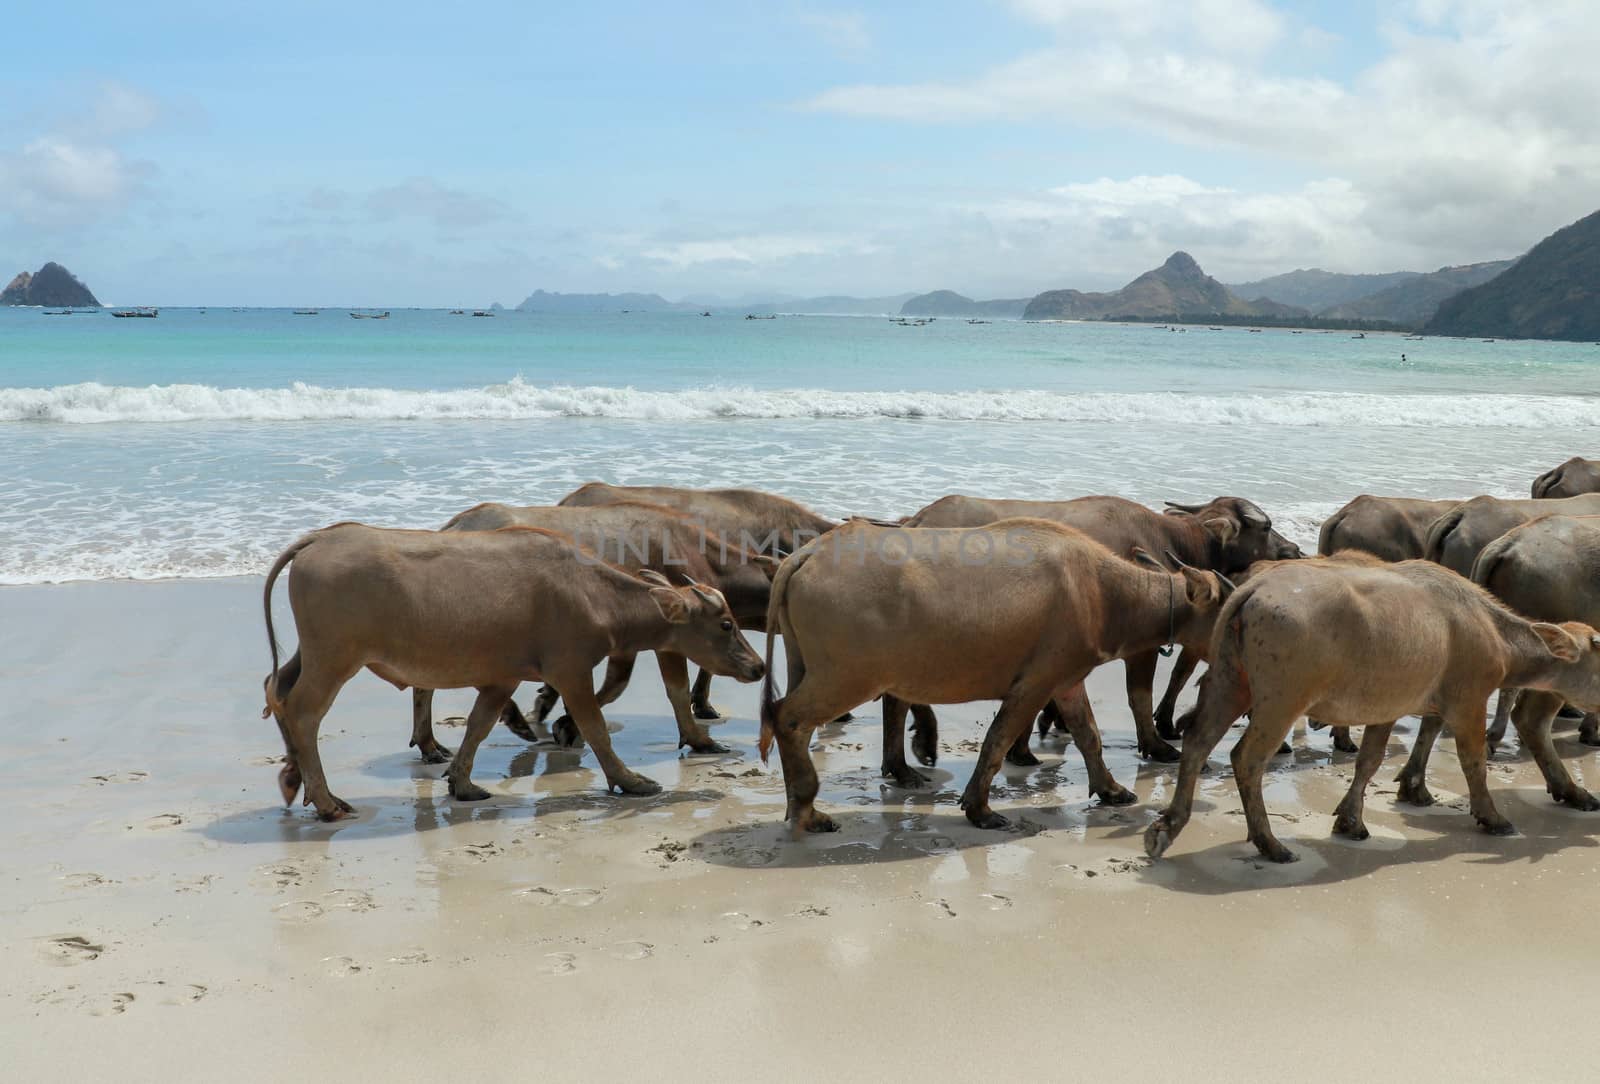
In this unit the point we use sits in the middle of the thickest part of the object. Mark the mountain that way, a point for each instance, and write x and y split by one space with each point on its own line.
52 286
1315 289
1415 299
1176 288
950 303
1553 292
540 301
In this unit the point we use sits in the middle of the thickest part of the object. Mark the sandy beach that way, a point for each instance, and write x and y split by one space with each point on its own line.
166 918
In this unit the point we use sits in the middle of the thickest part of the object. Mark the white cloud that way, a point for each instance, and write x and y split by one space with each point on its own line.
446 208
52 182
755 249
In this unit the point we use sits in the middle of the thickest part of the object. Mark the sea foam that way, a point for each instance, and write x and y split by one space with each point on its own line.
93 403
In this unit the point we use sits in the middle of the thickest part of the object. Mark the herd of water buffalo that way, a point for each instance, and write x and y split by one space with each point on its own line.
1412 607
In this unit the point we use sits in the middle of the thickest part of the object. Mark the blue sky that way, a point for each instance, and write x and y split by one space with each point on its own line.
179 153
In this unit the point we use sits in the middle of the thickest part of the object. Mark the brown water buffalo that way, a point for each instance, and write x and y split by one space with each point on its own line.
1226 534
1361 643
482 610
1544 570
1574 477
1389 528
1017 611
749 518
635 537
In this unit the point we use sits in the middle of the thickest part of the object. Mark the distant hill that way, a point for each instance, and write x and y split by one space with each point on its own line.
1553 292
52 286
1314 289
1414 300
833 305
541 301
1177 287
950 303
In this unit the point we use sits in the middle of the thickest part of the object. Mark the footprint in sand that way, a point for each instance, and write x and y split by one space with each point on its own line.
472 852
632 950
161 821
69 949
299 911
340 967
942 907
997 902
350 899
415 956
109 1004
179 993
559 963
741 921
567 897
276 876
86 880
134 776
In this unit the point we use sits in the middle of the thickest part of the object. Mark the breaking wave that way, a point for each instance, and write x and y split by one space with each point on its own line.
92 403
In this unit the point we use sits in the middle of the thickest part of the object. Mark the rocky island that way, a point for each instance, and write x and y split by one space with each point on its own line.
52 286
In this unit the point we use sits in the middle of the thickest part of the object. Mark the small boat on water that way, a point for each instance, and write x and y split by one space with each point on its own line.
753 316
482 312
980 321
384 315
302 312
1362 335
57 312
458 312
143 311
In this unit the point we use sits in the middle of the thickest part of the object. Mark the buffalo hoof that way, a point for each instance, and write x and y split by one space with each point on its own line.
635 784
1157 837
564 732
1284 750
1159 750
1497 826
1022 758
288 783
1569 712
704 746
1350 828
845 718
1165 727
1578 798
813 821
467 791
1273 851
705 710
1342 741
437 754
1413 792
521 727
339 811
988 819
925 748
1116 794
905 776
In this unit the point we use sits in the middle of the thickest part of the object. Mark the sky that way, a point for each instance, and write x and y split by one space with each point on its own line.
362 153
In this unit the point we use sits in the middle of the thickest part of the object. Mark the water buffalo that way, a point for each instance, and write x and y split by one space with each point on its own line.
635 537
1389 528
1362 643
1545 570
1574 477
1226 534
1018 611
483 610
749 518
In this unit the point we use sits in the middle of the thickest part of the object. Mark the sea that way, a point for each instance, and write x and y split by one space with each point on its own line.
200 443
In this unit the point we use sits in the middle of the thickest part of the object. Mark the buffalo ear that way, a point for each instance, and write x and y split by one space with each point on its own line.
673 606
650 575
1202 588
1561 643
1224 528
766 564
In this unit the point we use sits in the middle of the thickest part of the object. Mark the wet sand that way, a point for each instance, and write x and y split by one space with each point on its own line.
165 918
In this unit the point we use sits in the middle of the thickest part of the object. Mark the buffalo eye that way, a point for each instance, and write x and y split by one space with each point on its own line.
727 626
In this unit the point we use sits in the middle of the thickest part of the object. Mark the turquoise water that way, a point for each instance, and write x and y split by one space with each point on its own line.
199 443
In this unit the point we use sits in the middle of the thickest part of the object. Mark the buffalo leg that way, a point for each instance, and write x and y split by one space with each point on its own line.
1471 750
1502 715
1413 778
1015 716
545 702
1347 818
1086 736
894 745
1250 755
1342 742
1534 714
1220 704
1182 670
1141 676
807 706
529 730
308 701
700 700
480 720
619 670
1589 729
422 728
1019 753
924 735
578 691
675 676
